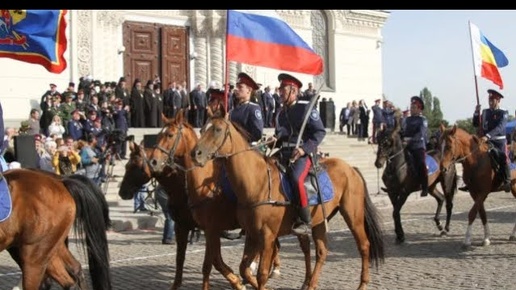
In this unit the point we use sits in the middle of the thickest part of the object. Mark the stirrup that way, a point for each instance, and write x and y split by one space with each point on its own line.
301 228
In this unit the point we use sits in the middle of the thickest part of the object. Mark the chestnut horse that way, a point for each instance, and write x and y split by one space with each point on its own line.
263 209
458 146
138 173
400 183
45 206
213 212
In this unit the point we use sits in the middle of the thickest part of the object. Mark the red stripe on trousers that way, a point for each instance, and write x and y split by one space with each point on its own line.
301 184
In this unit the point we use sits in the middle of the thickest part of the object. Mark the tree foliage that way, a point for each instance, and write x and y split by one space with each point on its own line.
432 110
467 125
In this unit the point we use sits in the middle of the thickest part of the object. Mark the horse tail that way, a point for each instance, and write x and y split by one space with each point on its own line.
373 229
92 220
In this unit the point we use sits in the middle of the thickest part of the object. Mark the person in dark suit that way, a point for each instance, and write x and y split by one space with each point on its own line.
120 118
137 105
199 103
377 119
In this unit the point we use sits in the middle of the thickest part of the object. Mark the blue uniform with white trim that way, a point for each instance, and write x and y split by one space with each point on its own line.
289 121
493 126
249 116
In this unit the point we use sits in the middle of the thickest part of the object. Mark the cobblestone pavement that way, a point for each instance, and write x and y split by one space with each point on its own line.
425 261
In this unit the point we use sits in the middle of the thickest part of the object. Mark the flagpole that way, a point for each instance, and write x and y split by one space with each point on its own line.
226 72
475 77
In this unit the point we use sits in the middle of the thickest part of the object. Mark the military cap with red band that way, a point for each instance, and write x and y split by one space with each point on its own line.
244 78
216 94
288 80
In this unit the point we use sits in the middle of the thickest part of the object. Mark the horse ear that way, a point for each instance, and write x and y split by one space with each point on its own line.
442 128
164 118
131 145
179 117
224 114
453 130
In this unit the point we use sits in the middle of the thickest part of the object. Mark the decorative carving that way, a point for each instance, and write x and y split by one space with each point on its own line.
110 17
84 27
200 23
216 64
201 61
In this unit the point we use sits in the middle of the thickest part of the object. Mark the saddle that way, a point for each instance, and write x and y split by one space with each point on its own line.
497 161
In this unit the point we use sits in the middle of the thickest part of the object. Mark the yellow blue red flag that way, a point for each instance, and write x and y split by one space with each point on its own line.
34 36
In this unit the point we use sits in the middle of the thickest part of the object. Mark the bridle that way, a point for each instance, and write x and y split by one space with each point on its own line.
227 134
388 155
455 159
170 161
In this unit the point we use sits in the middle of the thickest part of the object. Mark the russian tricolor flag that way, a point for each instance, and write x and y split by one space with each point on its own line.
262 38
487 58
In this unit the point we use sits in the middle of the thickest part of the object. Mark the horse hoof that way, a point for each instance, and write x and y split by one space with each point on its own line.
304 287
400 241
275 274
512 238
486 242
444 233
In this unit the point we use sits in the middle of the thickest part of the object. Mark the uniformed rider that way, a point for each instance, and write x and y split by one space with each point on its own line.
249 116
246 113
415 129
493 122
288 126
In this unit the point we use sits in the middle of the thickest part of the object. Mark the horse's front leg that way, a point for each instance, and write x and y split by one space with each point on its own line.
439 197
181 231
214 255
512 237
304 243
487 232
268 249
472 215
321 252
397 204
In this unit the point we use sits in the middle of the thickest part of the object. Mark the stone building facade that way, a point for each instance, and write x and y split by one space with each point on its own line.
190 45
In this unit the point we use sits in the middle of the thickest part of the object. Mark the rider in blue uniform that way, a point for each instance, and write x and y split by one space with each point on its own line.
245 113
414 138
288 125
493 122
249 116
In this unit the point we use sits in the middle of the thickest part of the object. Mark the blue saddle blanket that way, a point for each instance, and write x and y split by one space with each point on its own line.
324 181
512 166
311 188
6 205
431 165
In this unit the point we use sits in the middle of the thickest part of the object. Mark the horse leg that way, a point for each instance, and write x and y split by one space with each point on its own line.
213 256
321 252
398 228
472 215
304 243
512 237
439 197
264 268
276 261
181 231
250 252
487 232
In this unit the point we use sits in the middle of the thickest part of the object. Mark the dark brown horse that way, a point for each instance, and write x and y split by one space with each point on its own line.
138 173
400 182
461 147
212 211
263 209
45 207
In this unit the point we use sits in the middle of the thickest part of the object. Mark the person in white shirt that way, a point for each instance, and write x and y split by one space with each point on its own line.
56 127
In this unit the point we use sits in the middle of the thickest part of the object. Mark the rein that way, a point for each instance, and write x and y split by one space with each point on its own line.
170 162
461 159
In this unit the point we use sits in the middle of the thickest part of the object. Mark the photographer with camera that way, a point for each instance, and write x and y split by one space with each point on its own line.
65 160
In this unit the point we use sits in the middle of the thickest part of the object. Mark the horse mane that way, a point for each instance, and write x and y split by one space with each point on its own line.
242 131
461 133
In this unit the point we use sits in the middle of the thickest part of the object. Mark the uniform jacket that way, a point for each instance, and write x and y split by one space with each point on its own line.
493 122
290 119
249 116
415 132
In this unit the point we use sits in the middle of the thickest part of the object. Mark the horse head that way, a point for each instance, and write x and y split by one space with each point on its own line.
137 171
213 141
450 147
171 144
389 144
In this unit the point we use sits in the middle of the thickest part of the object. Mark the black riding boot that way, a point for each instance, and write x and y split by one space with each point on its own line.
507 176
424 183
303 225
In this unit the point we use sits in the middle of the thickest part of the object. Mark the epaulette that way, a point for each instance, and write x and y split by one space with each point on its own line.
254 104
303 102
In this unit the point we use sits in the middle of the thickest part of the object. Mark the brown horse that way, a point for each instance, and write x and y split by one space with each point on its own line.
461 147
263 210
44 209
138 173
400 183
212 211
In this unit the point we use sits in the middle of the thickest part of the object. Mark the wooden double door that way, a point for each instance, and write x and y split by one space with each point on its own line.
155 50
